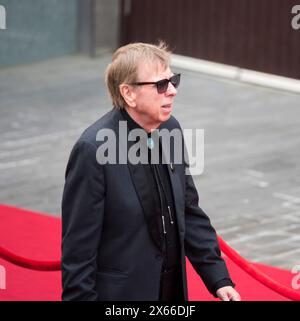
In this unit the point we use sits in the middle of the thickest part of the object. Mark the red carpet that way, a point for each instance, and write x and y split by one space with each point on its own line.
37 236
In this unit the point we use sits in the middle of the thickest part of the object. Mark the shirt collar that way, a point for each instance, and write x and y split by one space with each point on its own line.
132 124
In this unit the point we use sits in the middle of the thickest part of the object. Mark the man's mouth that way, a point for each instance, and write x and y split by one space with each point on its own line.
167 106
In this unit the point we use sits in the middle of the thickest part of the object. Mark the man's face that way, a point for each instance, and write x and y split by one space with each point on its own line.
152 108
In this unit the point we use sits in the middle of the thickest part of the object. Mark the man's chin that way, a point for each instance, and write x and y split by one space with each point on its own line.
165 117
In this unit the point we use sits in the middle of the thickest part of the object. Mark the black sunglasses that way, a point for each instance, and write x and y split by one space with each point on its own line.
161 85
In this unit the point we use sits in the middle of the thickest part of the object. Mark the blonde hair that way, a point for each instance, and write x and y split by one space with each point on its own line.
124 66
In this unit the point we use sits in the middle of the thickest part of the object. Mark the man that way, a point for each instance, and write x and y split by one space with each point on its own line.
127 225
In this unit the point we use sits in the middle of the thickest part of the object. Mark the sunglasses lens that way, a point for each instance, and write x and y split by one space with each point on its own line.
162 86
175 80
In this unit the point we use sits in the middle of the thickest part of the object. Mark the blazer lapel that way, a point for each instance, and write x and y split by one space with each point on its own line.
140 182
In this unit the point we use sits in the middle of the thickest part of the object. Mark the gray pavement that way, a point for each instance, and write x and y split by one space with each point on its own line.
250 187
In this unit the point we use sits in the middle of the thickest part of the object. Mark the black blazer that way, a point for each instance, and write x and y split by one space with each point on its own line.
110 248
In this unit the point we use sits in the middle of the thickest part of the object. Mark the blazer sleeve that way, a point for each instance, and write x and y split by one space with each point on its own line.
82 218
201 244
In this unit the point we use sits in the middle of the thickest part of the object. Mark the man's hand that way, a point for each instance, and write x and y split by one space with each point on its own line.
228 293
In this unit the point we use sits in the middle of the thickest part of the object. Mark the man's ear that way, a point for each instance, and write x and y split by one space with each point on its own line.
128 94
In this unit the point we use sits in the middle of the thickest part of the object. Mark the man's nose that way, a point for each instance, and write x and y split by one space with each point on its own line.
171 90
